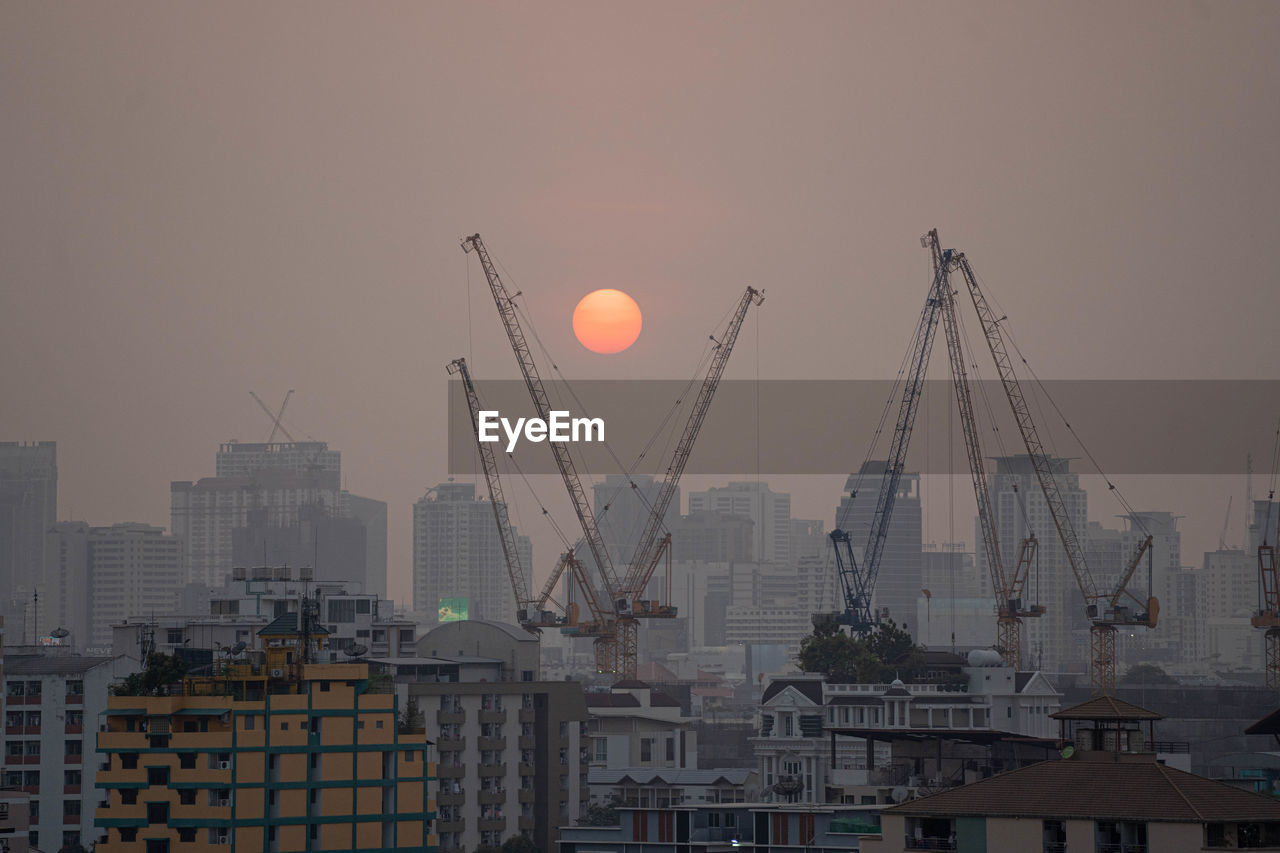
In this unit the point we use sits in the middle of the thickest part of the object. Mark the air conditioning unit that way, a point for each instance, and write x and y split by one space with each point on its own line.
224 765
221 838
222 804
277 673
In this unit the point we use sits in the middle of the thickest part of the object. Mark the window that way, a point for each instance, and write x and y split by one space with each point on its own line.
284 726
75 688
406 635
71 808
75 718
128 796
250 722
342 610
70 838
646 749
601 748
362 605
129 833
324 687
129 761
15 688
33 719
187 796
71 777
173 636
157 845
33 748
157 813
671 749
75 747
34 688
157 776
187 835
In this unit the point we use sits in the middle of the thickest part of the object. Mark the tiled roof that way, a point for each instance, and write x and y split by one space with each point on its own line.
631 684
810 687
662 700
288 624
1106 708
670 776
1268 725
51 664
612 700
1140 790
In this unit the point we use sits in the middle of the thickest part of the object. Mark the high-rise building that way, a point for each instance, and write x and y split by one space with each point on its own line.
284 501
459 570
98 576
622 506
512 749
898 581
713 537
271 753
28 508
51 700
1059 639
770 512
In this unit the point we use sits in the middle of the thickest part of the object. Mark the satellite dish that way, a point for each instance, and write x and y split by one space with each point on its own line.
1068 751
899 794
357 650
239 647
59 633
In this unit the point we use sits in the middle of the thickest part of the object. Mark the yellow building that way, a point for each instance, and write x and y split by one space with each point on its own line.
269 753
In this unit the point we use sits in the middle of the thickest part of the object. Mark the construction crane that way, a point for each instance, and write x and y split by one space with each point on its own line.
1268 615
531 612
1008 586
858 582
1106 610
649 548
277 426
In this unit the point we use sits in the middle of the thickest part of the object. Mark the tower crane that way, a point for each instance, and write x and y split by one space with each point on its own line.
1008 586
650 549
603 628
1268 615
858 582
531 612
1105 610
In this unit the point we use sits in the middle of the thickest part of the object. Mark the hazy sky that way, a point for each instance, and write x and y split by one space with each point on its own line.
197 200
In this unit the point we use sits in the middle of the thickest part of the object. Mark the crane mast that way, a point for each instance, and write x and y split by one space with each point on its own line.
1111 613
505 302
858 582
1008 587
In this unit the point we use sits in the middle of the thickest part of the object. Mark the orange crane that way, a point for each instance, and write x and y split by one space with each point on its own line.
1009 587
1105 610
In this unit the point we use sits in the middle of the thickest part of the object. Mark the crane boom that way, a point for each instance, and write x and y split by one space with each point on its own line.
506 535
1007 587
1105 618
644 561
505 302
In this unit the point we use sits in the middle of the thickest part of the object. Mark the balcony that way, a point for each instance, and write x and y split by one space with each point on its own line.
75 699
492 798
72 729
73 758
496 744
451 718
527 795
527 715
451 744
455 799
70 789
492 824
926 842
486 770
200 741
451 826
526 824
493 717
526 769
444 772
528 741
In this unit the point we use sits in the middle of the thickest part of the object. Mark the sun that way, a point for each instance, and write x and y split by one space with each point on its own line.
607 321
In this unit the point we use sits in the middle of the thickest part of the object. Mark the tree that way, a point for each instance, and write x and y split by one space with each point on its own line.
601 815
155 679
412 720
519 844
1147 673
881 656
75 847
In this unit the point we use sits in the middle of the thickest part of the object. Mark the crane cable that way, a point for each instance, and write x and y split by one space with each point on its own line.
1271 488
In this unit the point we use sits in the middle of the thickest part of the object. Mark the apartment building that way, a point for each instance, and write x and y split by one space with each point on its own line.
272 753
50 701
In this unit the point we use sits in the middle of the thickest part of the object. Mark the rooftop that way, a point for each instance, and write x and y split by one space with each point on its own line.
1145 790
51 664
1106 708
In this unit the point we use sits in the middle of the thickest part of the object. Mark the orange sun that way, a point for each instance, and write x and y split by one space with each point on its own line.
607 321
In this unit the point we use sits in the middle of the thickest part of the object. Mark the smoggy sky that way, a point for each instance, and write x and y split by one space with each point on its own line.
197 200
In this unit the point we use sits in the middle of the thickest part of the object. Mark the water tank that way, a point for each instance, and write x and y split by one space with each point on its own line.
985 657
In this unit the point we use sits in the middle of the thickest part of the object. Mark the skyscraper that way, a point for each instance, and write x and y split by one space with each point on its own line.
28 508
458 565
898 582
770 511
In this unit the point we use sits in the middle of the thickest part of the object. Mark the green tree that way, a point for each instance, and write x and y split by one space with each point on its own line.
519 844
1147 673
601 815
412 720
155 679
881 656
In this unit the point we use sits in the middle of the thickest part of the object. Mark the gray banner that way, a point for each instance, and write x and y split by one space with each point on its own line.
1182 427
